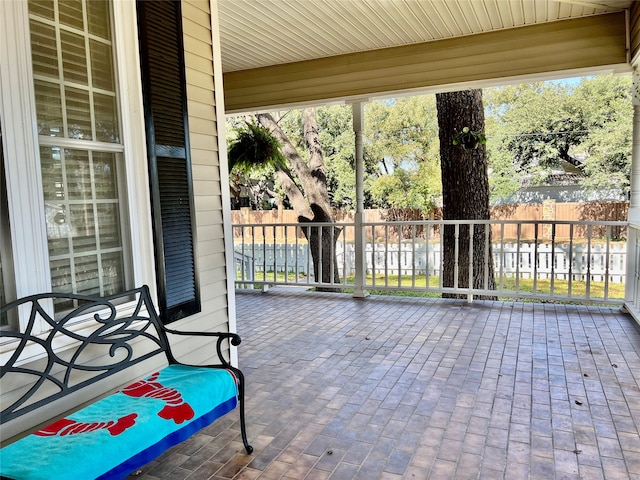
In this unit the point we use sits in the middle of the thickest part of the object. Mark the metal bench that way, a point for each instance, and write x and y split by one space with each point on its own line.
92 340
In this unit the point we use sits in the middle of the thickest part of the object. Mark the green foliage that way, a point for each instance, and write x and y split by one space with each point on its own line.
406 189
400 130
538 127
254 148
335 133
531 129
338 147
503 173
608 164
402 167
538 122
402 153
291 123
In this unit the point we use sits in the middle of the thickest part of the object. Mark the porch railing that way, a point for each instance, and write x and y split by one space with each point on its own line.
280 254
547 260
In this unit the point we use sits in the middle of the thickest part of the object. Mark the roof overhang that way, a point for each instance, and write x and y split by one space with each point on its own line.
579 46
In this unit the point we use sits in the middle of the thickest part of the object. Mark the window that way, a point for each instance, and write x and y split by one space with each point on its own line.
81 153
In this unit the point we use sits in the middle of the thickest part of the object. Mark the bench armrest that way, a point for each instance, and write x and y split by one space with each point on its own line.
233 338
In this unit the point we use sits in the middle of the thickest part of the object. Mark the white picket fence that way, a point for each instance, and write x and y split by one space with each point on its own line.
563 261
573 261
395 254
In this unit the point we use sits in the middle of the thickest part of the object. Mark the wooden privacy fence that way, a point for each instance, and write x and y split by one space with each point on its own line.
547 211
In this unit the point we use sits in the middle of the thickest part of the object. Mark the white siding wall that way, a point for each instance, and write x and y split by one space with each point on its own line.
209 219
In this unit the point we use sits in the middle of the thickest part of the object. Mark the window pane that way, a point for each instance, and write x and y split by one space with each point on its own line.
101 65
42 8
61 275
106 119
87 275
78 173
83 228
112 266
49 109
74 58
104 175
43 49
61 279
78 114
51 165
98 17
109 225
71 14
58 229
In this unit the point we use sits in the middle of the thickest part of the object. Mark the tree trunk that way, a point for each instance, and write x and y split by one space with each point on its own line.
311 202
322 243
465 192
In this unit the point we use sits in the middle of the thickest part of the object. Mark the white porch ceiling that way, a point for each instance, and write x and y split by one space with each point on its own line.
259 33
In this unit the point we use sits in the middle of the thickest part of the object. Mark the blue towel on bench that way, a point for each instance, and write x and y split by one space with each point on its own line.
126 430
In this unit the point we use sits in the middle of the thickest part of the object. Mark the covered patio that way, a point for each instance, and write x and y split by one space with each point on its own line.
338 387
401 387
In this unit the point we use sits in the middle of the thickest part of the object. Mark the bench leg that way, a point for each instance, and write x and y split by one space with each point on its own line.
243 425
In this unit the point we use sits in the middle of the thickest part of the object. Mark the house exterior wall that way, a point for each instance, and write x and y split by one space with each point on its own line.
207 177
211 209
634 32
597 42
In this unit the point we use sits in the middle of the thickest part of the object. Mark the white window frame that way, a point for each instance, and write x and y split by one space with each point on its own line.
6 275
22 157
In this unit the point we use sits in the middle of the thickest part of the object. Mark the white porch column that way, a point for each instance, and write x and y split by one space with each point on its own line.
634 203
360 238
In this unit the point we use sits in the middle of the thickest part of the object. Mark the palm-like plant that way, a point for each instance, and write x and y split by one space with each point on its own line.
254 147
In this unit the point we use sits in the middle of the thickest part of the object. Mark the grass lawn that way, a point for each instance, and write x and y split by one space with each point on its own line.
419 285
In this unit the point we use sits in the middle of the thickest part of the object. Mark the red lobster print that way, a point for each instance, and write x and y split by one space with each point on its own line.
66 426
176 408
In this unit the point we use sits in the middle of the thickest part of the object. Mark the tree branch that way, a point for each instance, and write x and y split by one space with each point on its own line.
312 181
295 196
310 130
296 162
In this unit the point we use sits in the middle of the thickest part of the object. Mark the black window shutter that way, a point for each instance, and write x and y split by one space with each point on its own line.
165 105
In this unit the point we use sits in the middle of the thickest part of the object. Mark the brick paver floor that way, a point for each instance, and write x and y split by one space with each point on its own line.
412 388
